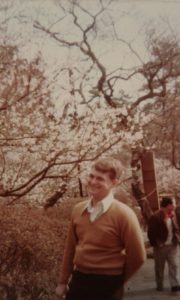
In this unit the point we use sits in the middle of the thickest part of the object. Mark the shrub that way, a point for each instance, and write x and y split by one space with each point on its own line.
32 243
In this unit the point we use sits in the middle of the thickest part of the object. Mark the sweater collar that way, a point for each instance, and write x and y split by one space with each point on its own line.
105 203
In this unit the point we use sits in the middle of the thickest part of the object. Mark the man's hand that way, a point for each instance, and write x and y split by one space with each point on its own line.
61 290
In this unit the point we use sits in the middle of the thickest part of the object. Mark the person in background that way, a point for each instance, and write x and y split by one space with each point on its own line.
105 245
163 234
177 211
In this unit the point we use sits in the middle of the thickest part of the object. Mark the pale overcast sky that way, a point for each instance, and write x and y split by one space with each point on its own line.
131 18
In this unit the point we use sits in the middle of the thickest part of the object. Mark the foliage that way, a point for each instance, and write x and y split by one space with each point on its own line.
32 242
168 178
36 147
162 135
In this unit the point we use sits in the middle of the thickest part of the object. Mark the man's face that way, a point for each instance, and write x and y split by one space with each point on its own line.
99 184
170 209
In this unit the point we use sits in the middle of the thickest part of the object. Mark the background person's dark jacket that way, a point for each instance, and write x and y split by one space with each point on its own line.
158 232
178 214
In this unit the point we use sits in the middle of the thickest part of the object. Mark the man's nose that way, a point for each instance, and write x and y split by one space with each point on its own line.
93 180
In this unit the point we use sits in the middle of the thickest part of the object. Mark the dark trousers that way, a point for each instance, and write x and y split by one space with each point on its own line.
95 287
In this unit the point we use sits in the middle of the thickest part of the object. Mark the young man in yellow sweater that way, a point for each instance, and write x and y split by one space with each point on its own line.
105 246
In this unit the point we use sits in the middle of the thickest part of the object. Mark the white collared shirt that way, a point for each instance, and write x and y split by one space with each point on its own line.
170 231
100 208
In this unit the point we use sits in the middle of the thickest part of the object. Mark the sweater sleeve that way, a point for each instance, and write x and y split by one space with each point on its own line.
134 245
69 250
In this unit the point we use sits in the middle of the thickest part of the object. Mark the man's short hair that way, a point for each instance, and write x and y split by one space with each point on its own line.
165 201
109 165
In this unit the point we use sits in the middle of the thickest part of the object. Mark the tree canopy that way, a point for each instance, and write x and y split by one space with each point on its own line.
91 102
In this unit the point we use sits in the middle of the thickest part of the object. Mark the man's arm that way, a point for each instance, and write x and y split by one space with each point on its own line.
67 262
134 245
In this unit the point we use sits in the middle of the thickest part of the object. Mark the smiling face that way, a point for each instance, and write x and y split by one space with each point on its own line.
99 184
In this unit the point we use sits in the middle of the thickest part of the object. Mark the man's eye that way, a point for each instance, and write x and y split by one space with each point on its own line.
100 179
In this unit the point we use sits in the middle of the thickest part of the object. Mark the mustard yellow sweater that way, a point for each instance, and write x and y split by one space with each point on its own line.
112 244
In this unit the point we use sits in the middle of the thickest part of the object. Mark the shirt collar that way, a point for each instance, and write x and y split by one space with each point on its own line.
104 203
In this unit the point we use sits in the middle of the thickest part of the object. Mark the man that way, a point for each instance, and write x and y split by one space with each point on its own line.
164 236
105 245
